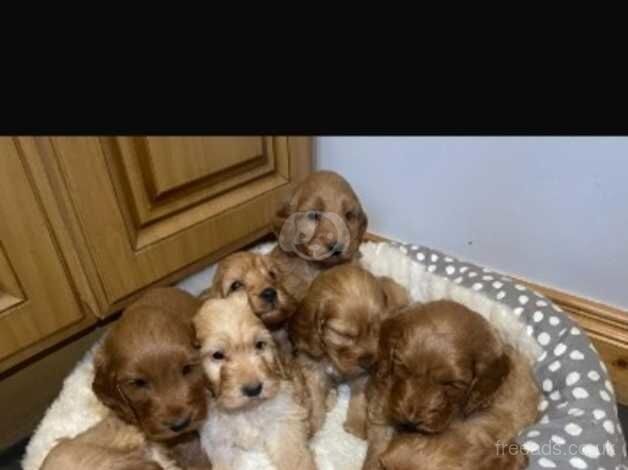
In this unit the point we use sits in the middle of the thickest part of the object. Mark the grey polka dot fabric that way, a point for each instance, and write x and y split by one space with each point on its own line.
578 427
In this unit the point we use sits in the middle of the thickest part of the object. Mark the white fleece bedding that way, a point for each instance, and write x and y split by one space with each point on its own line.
76 408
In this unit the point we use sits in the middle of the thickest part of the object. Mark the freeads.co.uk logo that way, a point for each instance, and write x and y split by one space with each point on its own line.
558 448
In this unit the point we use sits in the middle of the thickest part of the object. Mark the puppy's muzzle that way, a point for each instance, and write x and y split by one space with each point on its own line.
252 390
269 295
335 248
179 424
366 361
408 427
415 427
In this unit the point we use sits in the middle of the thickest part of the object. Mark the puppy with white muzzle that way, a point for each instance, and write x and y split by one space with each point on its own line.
260 403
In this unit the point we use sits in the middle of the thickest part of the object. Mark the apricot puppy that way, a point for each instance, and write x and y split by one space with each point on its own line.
148 373
445 390
321 226
335 333
260 403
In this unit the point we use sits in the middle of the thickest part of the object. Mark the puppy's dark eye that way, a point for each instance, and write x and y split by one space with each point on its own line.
349 215
400 366
314 215
344 335
260 345
218 355
187 369
455 384
235 285
139 383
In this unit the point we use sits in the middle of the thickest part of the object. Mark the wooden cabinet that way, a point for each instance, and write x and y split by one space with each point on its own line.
37 297
90 222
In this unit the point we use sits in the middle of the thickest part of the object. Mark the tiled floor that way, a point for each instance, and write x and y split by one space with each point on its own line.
10 458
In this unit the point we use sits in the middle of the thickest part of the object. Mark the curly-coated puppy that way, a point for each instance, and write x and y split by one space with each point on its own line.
148 373
335 333
260 403
446 390
321 226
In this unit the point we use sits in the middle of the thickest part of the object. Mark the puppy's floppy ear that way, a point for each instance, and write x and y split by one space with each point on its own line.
194 342
395 295
107 389
278 367
389 335
271 264
283 226
214 291
198 323
490 370
400 451
280 218
306 326
364 222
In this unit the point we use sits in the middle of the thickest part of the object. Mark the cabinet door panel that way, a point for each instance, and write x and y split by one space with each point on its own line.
197 158
151 206
37 299
157 177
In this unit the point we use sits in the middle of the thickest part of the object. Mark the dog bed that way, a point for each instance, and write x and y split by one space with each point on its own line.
578 427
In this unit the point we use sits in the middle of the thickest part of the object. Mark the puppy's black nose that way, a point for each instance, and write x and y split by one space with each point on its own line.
367 360
408 426
335 248
179 424
252 390
269 294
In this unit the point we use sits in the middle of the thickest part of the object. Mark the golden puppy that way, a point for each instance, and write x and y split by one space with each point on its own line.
263 282
259 402
321 226
445 392
148 373
335 333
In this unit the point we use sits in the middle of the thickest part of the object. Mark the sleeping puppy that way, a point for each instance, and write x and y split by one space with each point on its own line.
260 403
321 226
263 282
335 333
445 390
147 372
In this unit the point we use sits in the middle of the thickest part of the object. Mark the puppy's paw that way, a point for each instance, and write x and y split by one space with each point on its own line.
307 462
330 401
520 461
141 465
355 427
515 459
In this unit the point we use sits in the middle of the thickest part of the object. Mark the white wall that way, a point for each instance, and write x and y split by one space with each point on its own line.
553 210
